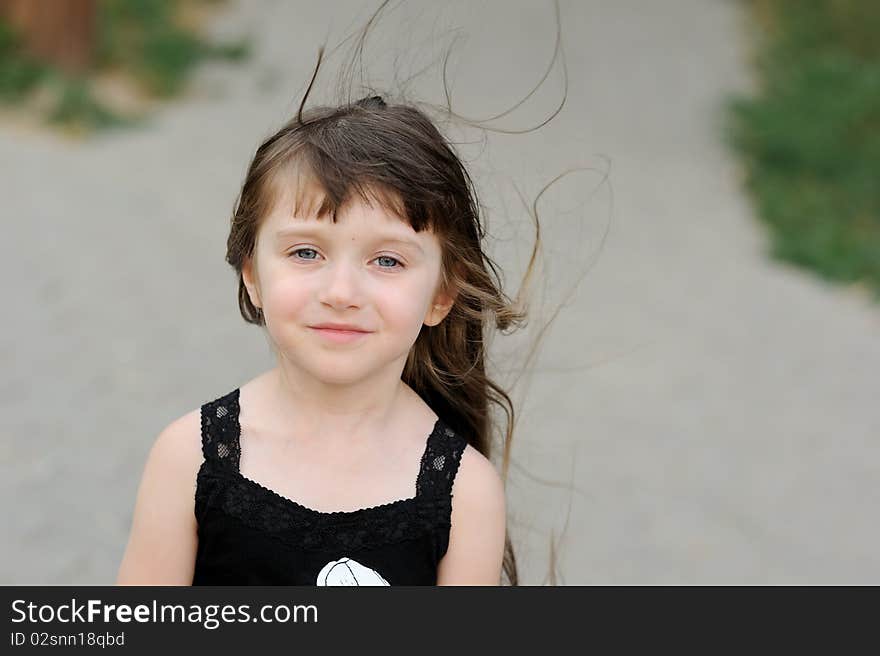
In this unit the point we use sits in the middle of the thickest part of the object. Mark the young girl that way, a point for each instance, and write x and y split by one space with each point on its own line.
361 457
357 241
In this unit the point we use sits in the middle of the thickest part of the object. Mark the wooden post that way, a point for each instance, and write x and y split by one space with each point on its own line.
61 32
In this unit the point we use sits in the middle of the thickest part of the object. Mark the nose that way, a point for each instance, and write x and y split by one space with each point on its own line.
340 288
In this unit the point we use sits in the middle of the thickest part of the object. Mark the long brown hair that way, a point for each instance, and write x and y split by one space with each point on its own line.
393 153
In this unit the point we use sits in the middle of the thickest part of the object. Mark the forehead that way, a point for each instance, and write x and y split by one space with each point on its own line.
300 213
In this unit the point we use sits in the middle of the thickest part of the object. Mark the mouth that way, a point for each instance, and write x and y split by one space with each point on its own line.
339 335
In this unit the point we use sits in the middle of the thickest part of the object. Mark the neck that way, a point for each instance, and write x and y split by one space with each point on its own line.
330 413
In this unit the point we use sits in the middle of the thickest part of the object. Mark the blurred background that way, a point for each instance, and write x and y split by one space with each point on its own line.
704 407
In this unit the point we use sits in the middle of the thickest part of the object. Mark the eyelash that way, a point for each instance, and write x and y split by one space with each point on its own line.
401 265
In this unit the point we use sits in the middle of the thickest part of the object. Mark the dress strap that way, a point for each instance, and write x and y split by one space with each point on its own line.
221 431
440 461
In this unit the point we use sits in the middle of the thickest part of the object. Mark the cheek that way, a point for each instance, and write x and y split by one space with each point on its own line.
404 312
285 298
404 298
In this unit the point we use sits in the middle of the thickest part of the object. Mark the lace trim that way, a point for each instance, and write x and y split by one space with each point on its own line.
295 525
221 430
221 486
440 461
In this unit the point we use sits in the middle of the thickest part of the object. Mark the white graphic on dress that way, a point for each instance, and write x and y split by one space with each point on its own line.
347 571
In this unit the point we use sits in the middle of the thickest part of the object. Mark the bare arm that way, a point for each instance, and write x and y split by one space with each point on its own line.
162 546
476 540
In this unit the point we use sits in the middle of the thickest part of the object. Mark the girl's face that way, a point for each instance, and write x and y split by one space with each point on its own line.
370 270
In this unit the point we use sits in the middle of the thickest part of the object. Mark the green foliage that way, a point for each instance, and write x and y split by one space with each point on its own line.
140 38
77 108
19 74
143 37
811 140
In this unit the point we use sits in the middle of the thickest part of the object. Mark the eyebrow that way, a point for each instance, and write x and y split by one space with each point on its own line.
315 231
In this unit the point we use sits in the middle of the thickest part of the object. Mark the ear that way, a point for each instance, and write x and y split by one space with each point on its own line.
251 281
441 306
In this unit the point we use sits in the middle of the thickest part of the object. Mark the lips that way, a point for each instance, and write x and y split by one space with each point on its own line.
340 336
340 327
342 332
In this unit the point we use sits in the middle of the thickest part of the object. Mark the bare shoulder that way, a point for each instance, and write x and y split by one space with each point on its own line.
478 529
478 482
163 540
180 442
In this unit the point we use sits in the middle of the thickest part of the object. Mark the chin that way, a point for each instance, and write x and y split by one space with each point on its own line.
337 371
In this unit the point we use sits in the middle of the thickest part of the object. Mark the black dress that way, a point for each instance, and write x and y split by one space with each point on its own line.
251 535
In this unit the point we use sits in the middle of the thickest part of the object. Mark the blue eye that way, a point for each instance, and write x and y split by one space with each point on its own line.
300 250
400 264
393 259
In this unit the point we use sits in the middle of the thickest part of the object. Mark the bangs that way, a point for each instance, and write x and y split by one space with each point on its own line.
297 185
